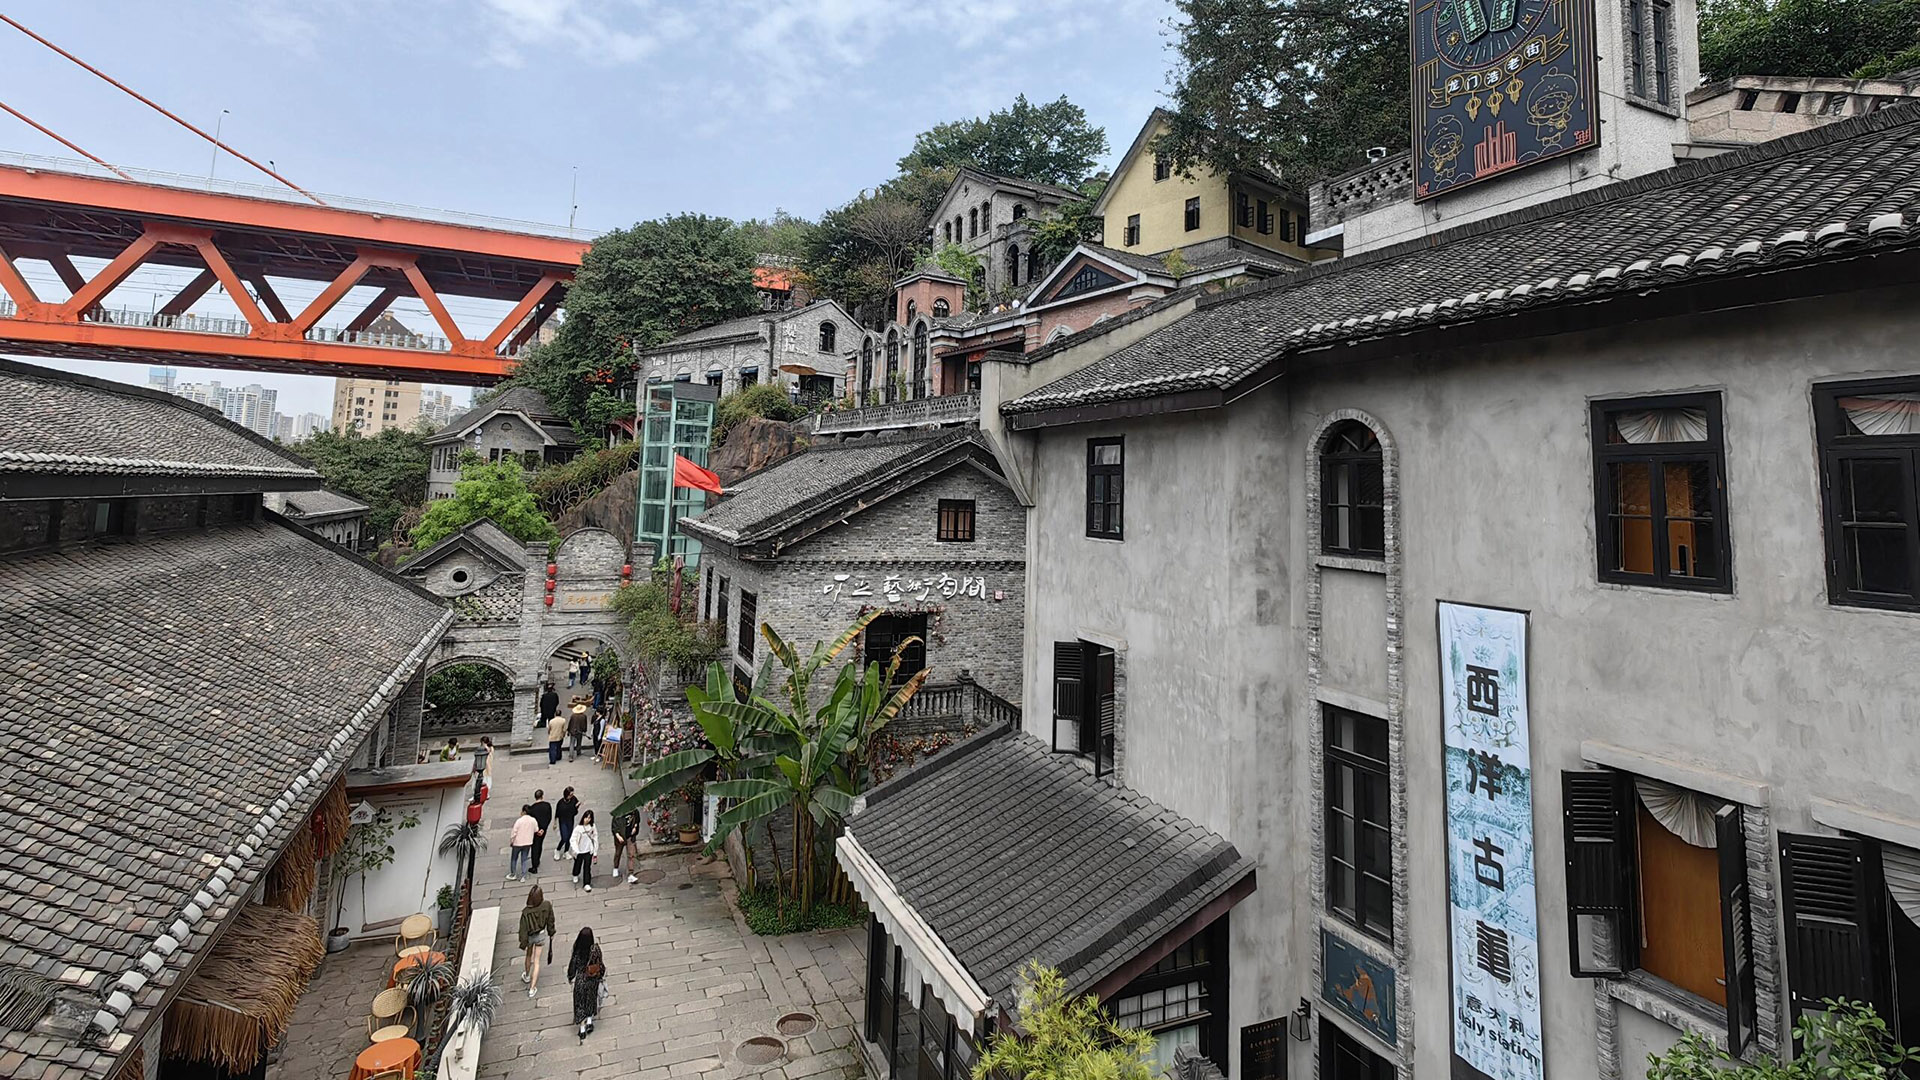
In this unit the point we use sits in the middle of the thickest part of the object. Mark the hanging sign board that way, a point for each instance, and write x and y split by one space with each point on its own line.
1494 925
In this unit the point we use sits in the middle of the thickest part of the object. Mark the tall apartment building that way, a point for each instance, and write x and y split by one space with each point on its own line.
250 406
371 406
437 407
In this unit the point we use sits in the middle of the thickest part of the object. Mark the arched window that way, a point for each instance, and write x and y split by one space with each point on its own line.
1033 263
1352 492
958 232
919 359
973 222
866 368
891 390
913 308
941 309
828 332
946 231
1019 211
1013 264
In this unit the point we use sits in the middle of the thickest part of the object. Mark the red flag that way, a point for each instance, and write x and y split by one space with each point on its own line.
688 475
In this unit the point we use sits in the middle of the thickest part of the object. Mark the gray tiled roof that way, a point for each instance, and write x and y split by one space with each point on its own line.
759 503
745 324
483 537
1011 852
523 399
1800 198
58 422
173 706
319 503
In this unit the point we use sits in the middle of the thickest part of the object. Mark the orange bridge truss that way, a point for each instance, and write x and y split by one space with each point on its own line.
240 242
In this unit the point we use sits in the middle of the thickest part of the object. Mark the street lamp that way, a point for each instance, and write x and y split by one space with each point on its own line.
218 122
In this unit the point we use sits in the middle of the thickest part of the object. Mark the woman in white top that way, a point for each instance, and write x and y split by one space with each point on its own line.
585 844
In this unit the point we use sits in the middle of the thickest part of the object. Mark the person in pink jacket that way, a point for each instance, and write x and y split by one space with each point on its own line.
526 828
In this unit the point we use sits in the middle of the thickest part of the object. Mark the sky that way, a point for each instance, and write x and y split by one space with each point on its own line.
495 107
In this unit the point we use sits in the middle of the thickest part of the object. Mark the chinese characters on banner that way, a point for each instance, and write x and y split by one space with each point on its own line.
1490 895
896 588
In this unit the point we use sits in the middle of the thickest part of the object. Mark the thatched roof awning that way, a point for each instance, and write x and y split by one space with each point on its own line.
239 1001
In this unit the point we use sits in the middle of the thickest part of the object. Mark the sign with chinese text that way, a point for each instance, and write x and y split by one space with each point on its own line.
1494 926
1359 986
1499 85
899 588
1263 1050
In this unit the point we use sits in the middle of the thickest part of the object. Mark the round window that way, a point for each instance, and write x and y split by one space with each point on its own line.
460 577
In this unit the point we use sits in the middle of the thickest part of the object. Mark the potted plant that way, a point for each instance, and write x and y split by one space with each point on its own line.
367 847
426 981
471 1007
444 905
690 828
462 840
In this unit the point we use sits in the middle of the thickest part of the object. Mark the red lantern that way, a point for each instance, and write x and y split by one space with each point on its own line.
549 584
549 599
626 570
473 813
552 569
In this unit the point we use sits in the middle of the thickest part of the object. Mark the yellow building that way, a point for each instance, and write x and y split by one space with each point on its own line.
1149 209
371 406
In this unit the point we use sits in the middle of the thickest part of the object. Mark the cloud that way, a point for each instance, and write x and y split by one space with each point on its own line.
577 28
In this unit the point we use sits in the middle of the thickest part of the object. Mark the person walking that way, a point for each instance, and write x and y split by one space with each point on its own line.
587 971
520 849
536 933
585 844
577 728
556 732
549 701
542 812
626 842
563 815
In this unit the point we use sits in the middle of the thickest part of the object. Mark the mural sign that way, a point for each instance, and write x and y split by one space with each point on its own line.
1493 921
1359 986
1499 85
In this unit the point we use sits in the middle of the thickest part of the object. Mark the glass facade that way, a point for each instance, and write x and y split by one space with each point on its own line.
675 418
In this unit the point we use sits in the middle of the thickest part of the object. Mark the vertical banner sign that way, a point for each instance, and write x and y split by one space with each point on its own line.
1499 85
1495 938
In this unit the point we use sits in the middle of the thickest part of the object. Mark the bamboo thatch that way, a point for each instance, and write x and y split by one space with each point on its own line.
240 1000
291 881
330 820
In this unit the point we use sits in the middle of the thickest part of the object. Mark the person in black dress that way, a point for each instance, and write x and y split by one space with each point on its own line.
587 971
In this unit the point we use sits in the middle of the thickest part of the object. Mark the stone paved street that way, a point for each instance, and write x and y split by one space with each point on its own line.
687 983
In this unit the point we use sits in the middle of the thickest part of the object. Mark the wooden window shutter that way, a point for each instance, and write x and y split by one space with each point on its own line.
1736 935
1069 693
1597 808
1831 889
1102 718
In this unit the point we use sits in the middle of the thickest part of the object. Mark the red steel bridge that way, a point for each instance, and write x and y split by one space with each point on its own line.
242 242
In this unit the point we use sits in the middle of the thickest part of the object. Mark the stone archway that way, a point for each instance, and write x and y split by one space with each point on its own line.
467 695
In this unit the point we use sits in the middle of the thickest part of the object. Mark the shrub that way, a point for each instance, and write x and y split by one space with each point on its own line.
767 401
661 636
1849 1041
766 916
561 487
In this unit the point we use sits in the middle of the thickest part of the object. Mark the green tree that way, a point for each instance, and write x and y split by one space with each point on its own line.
1071 223
1061 1037
859 250
1300 88
1050 143
782 234
496 490
1853 38
1849 1041
637 287
388 471
764 400
462 684
953 259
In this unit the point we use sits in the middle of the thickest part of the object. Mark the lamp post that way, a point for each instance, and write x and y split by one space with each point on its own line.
218 122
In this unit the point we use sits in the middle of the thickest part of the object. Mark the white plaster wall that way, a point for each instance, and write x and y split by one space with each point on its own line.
412 880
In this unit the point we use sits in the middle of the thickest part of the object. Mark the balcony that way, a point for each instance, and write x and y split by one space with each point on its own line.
923 412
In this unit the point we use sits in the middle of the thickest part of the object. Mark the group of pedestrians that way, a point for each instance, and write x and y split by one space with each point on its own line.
586 967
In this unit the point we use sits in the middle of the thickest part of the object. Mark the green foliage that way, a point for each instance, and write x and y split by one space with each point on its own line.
1050 143
953 259
560 488
388 472
663 638
1176 264
637 287
765 400
1847 1042
364 849
767 916
1300 88
1854 38
859 250
444 899
463 684
1065 1038
496 490
1072 223
782 234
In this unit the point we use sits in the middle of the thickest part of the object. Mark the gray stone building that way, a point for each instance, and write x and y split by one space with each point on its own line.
991 218
516 424
1669 429
773 347
920 526
188 681
334 516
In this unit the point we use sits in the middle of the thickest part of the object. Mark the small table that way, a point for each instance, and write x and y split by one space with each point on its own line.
401 1053
391 1031
415 950
400 966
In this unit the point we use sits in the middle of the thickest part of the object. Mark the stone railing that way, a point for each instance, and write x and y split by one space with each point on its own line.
1352 193
923 412
473 718
954 706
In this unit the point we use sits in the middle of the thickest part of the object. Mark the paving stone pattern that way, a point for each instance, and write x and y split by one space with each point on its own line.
687 983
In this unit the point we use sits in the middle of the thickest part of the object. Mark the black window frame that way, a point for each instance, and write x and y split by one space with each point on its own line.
955 521
1601 831
1365 522
1086 702
1656 456
1263 218
1370 782
749 613
1662 27
721 604
829 335
1839 934
941 309
1366 1065
1106 516
1243 207
886 632
1162 168
1192 219
1836 449
1132 235
1636 48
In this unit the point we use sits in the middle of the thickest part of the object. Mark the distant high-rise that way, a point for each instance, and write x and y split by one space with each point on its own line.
162 378
250 406
306 424
371 406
